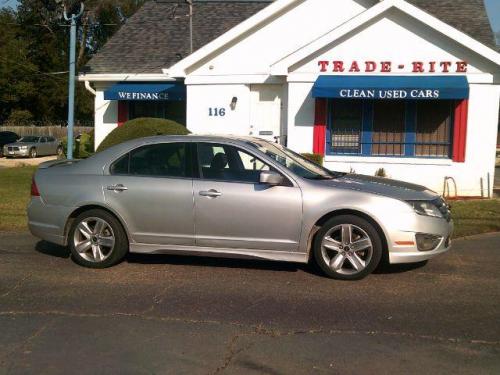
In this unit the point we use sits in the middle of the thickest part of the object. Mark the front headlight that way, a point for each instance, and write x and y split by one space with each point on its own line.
23 147
425 208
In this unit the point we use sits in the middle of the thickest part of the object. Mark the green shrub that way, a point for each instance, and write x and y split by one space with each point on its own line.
381 173
315 158
142 127
85 146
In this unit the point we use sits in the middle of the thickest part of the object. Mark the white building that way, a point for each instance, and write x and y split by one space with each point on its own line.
368 84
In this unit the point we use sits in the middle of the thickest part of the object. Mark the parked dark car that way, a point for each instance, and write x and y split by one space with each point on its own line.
5 138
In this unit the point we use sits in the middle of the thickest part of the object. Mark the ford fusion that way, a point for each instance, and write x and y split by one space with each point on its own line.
233 197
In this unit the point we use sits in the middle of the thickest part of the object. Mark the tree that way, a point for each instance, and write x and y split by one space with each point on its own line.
15 86
34 54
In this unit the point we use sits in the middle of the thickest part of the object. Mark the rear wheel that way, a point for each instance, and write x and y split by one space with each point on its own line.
97 239
347 247
33 153
60 151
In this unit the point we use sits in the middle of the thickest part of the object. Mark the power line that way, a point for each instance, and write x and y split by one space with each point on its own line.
38 72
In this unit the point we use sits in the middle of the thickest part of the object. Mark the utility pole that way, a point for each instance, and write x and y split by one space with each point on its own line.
72 72
190 3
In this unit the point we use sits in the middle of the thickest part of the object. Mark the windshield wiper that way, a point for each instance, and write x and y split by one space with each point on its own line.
321 177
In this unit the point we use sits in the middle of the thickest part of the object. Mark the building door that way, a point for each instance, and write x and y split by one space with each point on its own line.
265 111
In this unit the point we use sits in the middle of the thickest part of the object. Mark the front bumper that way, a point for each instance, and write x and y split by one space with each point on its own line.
16 153
400 250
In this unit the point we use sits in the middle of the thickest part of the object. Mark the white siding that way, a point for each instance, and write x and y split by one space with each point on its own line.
106 115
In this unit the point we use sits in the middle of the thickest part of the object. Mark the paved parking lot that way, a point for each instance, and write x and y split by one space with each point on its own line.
168 314
19 162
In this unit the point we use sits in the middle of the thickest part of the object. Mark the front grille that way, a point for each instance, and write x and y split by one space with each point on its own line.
13 148
443 207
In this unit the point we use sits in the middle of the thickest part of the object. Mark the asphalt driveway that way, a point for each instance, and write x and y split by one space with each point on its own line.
186 315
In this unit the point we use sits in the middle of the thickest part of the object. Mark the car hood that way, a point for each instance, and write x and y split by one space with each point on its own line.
381 186
19 144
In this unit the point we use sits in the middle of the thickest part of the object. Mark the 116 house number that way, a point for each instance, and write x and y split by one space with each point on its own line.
216 112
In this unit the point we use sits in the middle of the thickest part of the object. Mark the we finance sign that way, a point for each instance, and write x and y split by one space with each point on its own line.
124 95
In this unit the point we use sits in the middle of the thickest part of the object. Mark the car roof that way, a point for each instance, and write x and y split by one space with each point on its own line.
200 138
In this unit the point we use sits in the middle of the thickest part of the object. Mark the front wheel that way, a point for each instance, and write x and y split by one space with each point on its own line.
347 247
97 239
33 153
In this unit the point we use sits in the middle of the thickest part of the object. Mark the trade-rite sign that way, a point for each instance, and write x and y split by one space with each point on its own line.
339 66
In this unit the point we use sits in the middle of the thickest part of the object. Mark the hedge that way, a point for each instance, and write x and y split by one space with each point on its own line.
142 127
315 158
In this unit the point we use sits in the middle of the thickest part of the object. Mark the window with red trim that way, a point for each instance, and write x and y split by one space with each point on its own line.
424 129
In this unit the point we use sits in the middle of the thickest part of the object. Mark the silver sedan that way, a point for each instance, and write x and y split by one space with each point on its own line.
233 197
33 146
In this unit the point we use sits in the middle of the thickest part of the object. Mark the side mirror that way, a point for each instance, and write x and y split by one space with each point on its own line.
271 178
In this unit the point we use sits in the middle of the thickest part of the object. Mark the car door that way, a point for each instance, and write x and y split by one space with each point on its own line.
233 210
51 146
151 188
42 146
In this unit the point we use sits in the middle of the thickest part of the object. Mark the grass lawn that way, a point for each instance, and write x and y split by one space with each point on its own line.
476 216
15 185
471 217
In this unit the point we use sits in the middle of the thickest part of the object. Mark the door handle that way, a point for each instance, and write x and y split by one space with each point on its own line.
210 193
118 187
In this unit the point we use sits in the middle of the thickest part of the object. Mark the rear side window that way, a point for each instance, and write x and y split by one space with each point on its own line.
159 160
121 165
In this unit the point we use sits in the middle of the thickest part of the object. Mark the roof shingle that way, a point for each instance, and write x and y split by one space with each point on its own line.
157 36
468 16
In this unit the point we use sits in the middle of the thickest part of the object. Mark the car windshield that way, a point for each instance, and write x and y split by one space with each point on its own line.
29 139
294 162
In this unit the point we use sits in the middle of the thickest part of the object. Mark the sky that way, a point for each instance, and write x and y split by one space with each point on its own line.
492 7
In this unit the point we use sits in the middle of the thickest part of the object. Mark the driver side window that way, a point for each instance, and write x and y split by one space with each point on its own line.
229 163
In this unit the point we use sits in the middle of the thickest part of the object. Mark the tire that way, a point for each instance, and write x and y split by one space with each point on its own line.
60 151
97 239
33 154
337 256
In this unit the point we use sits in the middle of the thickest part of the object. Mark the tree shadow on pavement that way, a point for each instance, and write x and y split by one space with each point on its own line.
51 249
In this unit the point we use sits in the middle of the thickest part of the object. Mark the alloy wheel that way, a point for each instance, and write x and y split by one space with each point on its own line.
347 249
94 239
